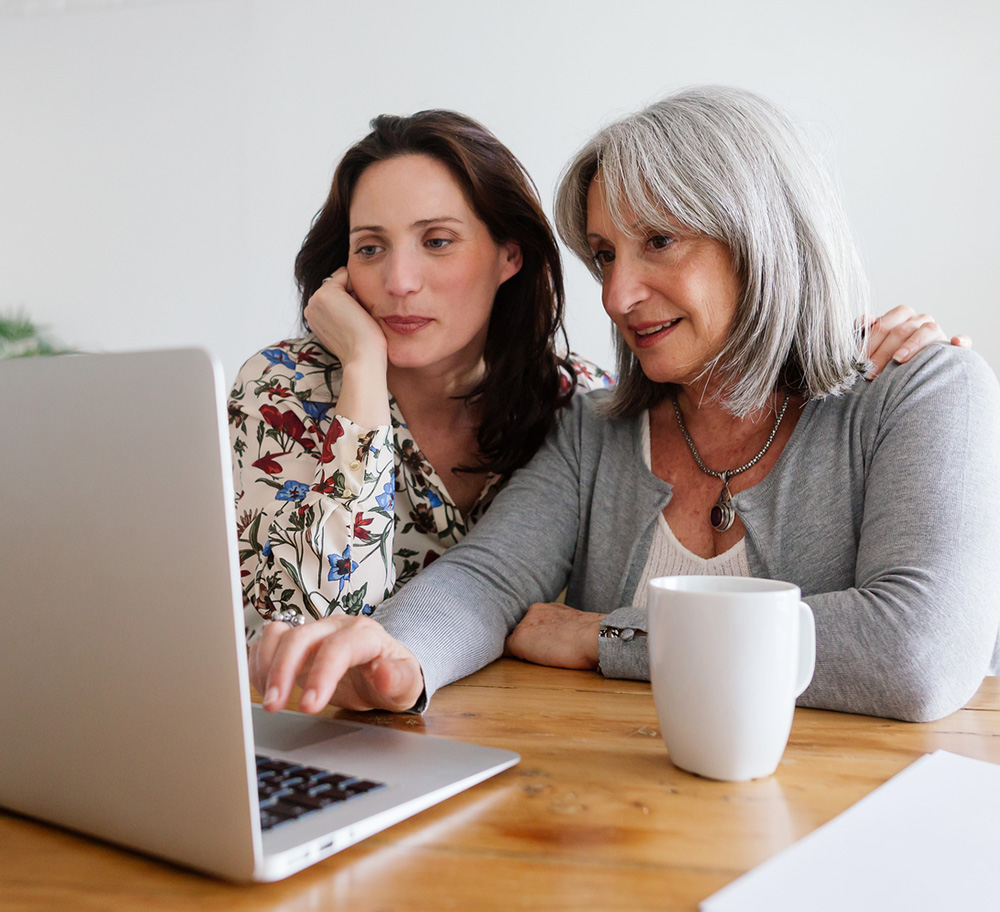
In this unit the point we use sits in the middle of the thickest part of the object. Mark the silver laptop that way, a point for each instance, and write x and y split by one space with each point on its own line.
125 710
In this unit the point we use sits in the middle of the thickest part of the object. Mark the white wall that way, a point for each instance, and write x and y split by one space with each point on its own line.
160 160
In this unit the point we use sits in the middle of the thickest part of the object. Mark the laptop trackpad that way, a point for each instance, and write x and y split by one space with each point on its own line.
288 731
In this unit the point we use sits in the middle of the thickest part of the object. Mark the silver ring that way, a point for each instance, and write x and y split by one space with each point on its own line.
327 279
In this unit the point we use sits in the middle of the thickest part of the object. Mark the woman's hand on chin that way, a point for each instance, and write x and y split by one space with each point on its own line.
347 661
349 332
338 319
554 634
899 334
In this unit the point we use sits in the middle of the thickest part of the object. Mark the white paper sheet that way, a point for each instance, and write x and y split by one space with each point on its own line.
928 840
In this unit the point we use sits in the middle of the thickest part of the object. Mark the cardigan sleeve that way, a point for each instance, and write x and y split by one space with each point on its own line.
914 636
457 613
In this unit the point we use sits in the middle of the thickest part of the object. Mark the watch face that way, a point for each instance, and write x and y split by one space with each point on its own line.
619 633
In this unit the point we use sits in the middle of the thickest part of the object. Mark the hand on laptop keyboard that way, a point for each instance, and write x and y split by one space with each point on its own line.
345 660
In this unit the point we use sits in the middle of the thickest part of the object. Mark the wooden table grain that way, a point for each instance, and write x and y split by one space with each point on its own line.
594 817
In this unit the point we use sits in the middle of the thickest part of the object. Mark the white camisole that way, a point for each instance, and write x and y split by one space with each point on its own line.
668 557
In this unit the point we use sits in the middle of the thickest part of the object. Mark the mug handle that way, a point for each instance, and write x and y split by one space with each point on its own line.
807 648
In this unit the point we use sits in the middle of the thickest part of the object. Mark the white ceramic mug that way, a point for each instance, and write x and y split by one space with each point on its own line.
727 658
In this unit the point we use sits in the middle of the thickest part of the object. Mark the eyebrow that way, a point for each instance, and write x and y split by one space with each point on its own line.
420 223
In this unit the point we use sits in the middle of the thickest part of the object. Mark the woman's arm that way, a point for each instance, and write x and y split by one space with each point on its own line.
914 636
315 492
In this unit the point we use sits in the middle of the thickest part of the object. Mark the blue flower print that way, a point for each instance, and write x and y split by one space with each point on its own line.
266 550
433 499
293 490
276 356
368 609
316 410
341 567
387 499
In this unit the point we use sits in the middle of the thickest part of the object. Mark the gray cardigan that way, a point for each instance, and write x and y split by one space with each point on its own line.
882 508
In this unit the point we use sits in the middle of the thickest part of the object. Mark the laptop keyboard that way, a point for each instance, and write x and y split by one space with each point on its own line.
290 790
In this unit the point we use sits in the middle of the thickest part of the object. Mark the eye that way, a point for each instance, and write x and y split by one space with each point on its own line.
437 243
660 241
602 259
367 251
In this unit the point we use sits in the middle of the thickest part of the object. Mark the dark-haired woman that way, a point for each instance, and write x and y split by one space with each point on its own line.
432 288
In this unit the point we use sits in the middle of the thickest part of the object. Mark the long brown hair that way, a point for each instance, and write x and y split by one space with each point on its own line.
522 389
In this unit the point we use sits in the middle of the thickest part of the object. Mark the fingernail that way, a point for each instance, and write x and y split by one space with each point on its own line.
308 697
271 696
901 355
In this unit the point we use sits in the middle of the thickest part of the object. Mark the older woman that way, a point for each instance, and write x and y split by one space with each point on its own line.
737 442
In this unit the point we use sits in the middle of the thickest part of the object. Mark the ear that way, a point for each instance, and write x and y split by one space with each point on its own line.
511 251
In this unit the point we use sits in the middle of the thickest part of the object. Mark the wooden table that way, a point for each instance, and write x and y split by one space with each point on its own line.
594 817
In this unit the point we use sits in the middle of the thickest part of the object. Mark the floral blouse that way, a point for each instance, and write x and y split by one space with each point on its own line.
332 516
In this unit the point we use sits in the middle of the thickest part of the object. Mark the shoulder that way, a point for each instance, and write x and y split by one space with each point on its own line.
939 365
940 375
584 425
289 355
589 376
940 385
300 366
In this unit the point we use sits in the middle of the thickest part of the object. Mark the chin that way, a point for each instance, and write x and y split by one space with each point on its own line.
408 361
660 368
656 370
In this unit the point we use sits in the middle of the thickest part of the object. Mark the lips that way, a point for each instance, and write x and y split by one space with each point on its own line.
649 334
406 326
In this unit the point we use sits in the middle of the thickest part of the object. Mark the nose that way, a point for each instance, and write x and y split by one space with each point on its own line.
402 274
623 286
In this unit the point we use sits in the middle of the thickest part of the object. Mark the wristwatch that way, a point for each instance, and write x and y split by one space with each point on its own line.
608 632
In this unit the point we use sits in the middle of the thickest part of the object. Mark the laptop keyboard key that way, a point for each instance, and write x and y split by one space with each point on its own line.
289 790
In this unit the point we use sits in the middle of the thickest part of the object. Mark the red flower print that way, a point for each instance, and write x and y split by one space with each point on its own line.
332 436
324 485
430 557
360 532
282 392
287 423
268 464
271 415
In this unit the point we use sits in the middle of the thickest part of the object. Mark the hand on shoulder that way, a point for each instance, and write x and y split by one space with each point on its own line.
899 334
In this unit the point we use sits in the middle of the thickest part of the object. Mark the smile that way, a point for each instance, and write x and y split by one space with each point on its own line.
651 333
406 326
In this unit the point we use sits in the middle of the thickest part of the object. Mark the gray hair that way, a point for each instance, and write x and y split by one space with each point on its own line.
730 166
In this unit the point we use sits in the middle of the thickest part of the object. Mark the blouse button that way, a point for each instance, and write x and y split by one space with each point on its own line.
355 465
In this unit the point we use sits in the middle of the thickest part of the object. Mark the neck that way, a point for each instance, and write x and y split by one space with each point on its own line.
435 391
716 431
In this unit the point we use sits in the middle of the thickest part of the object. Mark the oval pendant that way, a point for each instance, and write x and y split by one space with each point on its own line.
723 515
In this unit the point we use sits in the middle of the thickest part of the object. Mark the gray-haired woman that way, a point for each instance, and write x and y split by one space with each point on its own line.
737 442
